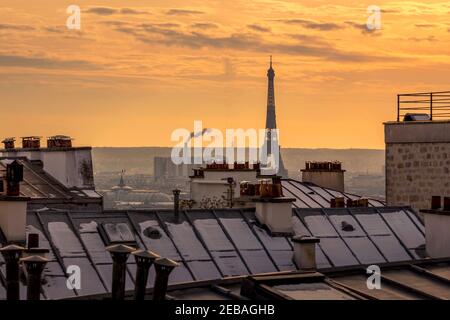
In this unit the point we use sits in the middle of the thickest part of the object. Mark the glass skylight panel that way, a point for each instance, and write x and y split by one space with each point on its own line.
405 230
320 226
338 252
365 250
204 270
187 242
241 234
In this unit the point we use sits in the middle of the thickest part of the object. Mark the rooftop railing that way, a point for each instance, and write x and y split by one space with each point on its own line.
434 104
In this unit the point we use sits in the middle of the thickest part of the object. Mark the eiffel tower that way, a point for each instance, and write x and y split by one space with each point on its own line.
271 122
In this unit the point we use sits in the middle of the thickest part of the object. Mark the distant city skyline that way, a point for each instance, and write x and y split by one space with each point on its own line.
137 71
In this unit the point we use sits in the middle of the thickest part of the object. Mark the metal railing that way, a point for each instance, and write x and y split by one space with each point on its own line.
434 104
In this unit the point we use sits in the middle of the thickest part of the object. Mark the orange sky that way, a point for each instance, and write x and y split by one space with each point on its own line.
137 69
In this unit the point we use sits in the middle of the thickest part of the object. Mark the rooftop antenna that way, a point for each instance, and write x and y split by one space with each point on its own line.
271 61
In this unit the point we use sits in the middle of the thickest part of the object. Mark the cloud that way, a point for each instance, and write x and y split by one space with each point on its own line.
425 25
103 11
108 11
132 11
8 60
310 24
18 27
259 28
152 34
363 28
183 12
204 25
420 39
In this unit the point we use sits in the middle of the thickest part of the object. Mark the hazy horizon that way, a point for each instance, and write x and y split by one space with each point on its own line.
136 71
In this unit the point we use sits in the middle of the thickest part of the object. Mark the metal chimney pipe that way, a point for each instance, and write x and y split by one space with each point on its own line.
144 260
34 266
12 254
119 254
176 205
163 268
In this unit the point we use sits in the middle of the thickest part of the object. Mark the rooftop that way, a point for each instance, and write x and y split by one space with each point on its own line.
414 280
215 244
43 189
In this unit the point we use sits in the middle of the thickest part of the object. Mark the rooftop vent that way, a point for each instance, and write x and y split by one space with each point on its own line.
32 142
59 141
416 117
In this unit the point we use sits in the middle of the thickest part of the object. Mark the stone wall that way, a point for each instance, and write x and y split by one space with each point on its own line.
417 171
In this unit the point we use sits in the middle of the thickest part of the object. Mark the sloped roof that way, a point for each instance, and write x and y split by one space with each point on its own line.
38 184
213 244
309 195
414 280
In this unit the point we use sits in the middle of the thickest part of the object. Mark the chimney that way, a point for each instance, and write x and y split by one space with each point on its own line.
12 254
275 214
324 174
14 175
446 203
176 205
59 141
34 266
9 143
305 252
144 260
163 268
33 142
119 254
437 237
33 241
436 202
71 166
13 207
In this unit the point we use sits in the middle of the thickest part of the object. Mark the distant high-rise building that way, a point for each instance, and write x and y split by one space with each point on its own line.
271 122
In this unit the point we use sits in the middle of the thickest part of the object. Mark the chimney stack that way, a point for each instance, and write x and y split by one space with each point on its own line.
144 261
32 142
305 252
13 207
437 225
9 143
12 254
34 266
436 202
275 213
14 175
324 174
59 141
163 268
176 205
119 254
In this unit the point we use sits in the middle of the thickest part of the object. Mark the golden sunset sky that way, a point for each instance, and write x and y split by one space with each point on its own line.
139 69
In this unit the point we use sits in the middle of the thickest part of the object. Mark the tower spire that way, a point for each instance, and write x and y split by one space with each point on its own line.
271 121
